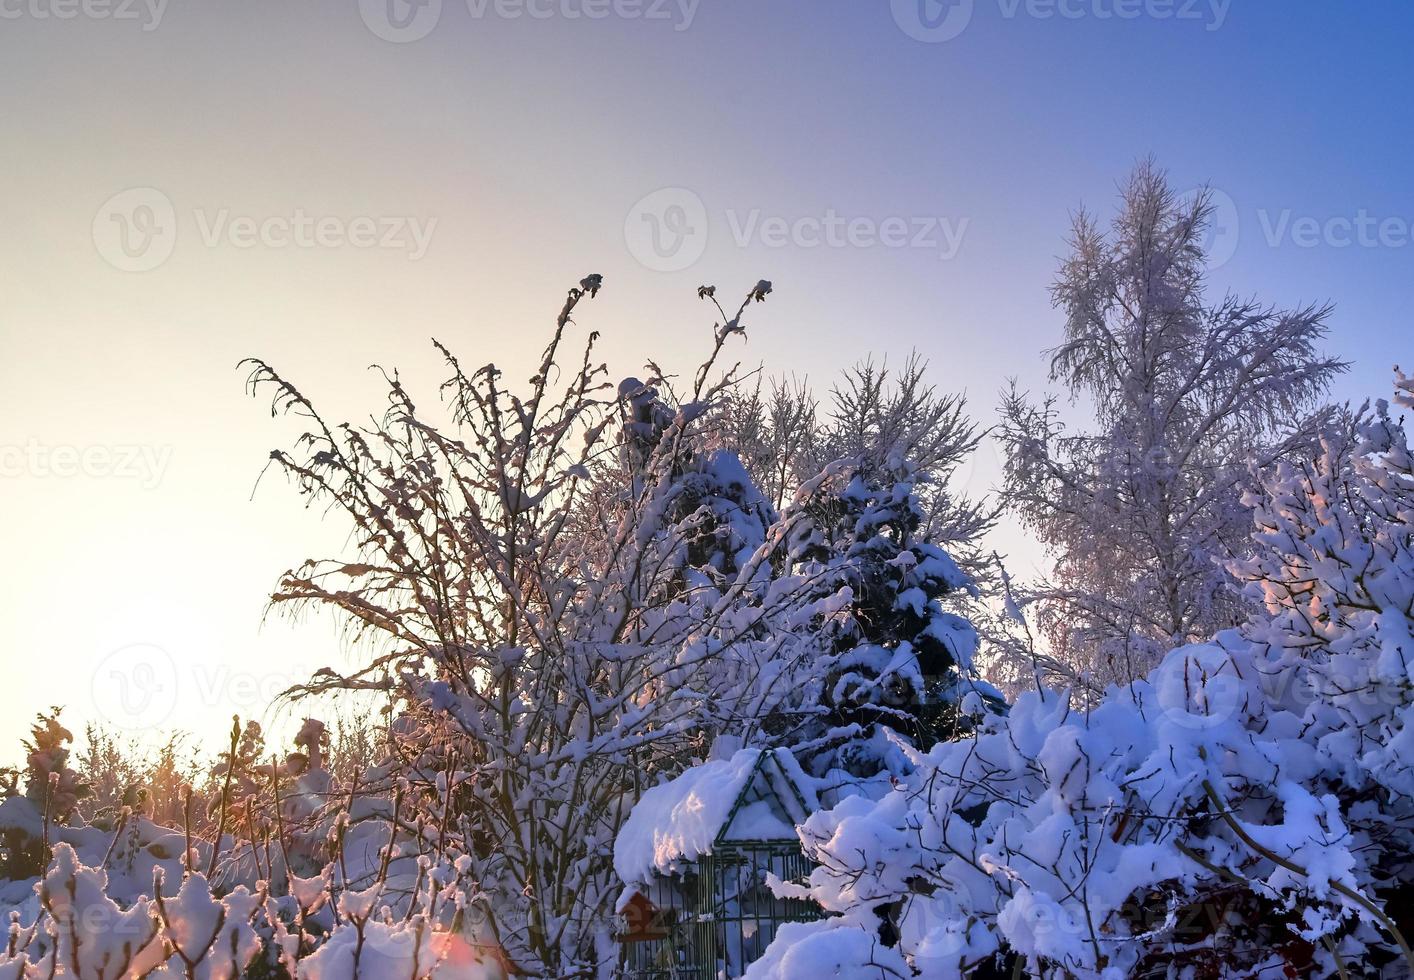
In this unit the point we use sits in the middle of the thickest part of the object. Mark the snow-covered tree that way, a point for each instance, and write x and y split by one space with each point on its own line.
1139 511
1334 573
867 479
775 428
890 657
552 638
883 419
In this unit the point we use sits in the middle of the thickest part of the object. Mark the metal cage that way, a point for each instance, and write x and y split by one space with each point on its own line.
717 915
720 916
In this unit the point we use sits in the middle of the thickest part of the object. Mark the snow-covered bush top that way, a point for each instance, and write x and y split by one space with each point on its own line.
1243 809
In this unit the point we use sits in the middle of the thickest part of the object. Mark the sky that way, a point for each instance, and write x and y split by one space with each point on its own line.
328 185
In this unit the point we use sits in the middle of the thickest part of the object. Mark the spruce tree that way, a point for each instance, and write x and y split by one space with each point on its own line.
893 657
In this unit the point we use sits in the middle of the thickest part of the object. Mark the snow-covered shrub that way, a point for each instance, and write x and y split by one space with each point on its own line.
1087 842
1335 574
1243 808
183 930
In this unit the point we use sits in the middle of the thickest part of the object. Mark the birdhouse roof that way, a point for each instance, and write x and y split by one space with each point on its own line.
754 796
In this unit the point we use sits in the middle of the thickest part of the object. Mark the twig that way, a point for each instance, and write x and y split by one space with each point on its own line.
1221 809
225 796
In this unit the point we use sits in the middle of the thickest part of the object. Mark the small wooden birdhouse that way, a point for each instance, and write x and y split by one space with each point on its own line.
643 921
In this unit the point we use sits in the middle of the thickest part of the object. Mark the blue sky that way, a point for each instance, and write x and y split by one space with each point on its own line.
901 193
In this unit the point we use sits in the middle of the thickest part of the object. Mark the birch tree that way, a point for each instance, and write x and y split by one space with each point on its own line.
1138 509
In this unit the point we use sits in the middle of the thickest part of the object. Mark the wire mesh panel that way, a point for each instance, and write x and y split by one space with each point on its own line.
720 919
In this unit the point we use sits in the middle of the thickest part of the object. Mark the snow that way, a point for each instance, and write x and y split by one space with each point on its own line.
399 951
681 820
19 813
759 820
833 948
